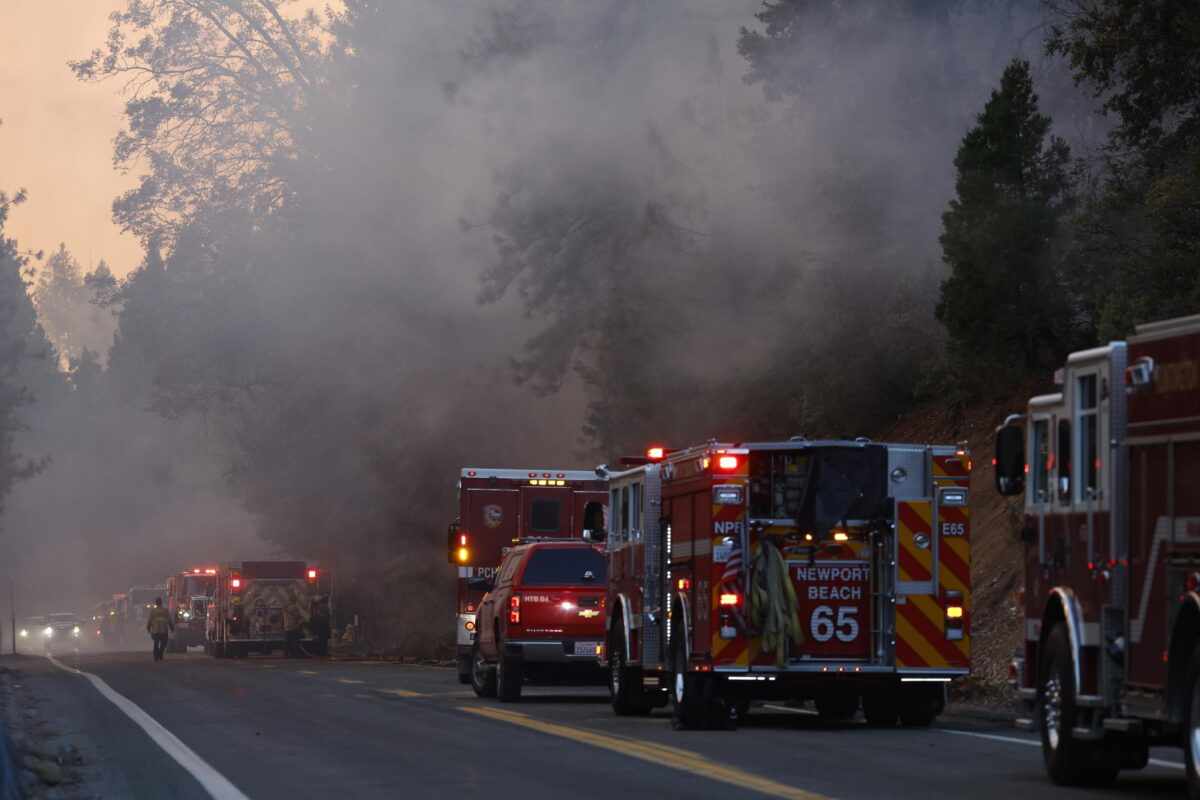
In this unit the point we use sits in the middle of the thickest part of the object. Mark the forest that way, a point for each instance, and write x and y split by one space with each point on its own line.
385 240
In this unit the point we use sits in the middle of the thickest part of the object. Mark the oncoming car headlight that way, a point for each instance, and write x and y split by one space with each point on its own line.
24 632
48 631
75 631
184 614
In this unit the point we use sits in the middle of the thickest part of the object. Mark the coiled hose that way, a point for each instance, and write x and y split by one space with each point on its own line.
774 609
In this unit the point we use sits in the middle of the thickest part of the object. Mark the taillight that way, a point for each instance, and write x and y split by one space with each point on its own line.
655 454
954 615
469 624
236 583
312 574
514 610
727 462
730 599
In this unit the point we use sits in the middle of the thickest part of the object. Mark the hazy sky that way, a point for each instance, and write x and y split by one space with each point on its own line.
56 140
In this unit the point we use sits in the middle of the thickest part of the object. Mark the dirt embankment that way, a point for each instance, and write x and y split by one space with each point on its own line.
995 547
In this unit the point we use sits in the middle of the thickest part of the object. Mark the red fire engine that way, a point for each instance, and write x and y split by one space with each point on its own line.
497 506
1111 495
188 596
830 571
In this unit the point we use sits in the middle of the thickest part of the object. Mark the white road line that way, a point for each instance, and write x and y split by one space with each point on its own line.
1158 762
806 711
216 784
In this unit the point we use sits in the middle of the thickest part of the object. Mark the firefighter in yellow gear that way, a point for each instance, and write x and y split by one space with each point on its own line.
292 621
159 625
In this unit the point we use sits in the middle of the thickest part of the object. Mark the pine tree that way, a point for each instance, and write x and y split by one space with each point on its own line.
1004 305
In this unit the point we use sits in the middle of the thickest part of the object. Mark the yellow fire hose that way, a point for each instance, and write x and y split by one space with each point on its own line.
774 609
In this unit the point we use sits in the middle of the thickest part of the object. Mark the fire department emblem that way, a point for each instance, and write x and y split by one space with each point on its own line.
492 516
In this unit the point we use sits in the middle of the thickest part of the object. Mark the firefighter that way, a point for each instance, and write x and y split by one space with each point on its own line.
291 630
159 625
236 618
320 622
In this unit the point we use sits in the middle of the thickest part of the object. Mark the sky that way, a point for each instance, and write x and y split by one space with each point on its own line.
56 140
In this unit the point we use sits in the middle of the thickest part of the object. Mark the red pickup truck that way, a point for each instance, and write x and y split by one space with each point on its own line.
543 618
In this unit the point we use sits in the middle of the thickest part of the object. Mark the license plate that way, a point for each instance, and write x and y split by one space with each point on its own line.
587 648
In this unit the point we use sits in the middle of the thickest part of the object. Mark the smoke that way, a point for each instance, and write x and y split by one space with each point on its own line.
663 251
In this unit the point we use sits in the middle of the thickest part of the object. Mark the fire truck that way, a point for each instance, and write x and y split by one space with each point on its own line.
188 596
497 507
830 571
1107 472
246 612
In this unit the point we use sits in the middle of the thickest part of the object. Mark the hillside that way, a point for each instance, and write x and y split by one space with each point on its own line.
995 548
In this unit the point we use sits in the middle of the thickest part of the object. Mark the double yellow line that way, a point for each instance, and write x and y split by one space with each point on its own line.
683 760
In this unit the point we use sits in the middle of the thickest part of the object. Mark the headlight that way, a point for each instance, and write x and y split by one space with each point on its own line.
75 630
185 615
24 632
48 631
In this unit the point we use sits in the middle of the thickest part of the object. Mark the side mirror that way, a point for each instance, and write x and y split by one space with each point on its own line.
1010 459
594 535
452 542
480 584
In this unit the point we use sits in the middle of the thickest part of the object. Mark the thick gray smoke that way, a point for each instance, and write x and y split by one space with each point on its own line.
663 251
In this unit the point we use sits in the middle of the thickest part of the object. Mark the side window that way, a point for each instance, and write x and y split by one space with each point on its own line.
614 518
1063 454
635 511
1087 465
1039 462
507 569
624 512
545 515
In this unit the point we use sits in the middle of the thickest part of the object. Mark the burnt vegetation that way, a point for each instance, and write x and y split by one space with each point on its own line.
388 239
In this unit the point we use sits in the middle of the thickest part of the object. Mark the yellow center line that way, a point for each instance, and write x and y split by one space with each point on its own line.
402 692
267 666
673 757
307 671
347 680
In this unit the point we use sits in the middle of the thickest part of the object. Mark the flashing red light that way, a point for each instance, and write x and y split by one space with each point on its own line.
312 574
655 453
729 599
1097 463
470 607
533 474
236 583
471 474
561 475
462 540
545 474
685 583
993 462
727 462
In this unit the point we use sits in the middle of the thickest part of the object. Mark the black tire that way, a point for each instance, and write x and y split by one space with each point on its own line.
219 650
483 676
1067 759
689 692
921 703
625 682
881 709
464 669
1191 728
836 704
510 675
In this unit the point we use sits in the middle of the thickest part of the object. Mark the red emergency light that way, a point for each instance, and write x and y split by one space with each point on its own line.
655 453
729 599
727 462
312 574
236 583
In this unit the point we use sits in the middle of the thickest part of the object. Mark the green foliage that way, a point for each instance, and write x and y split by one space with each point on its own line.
1139 231
1004 305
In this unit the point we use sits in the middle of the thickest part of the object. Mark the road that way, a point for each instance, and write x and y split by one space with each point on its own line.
298 729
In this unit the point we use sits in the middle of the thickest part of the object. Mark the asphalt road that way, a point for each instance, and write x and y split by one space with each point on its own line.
299 729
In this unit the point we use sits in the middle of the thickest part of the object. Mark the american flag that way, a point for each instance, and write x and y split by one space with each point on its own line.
733 565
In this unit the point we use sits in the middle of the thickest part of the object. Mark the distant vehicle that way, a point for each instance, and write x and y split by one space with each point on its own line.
62 630
246 613
496 506
543 618
187 598
32 632
136 610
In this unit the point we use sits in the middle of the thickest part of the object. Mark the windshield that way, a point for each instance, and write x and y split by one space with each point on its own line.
60 618
566 566
31 622
194 585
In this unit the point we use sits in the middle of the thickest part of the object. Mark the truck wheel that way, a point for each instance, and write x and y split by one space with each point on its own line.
920 703
1065 756
624 681
836 704
483 677
689 693
509 676
464 669
1191 731
218 649
881 709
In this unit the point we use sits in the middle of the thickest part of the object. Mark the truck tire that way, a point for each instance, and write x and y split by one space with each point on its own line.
920 703
510 674
1191 730
218 649
881 709
483 677
1067 758
625 682
836 704
692 702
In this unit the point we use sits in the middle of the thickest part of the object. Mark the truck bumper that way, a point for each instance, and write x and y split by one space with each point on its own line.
559 651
